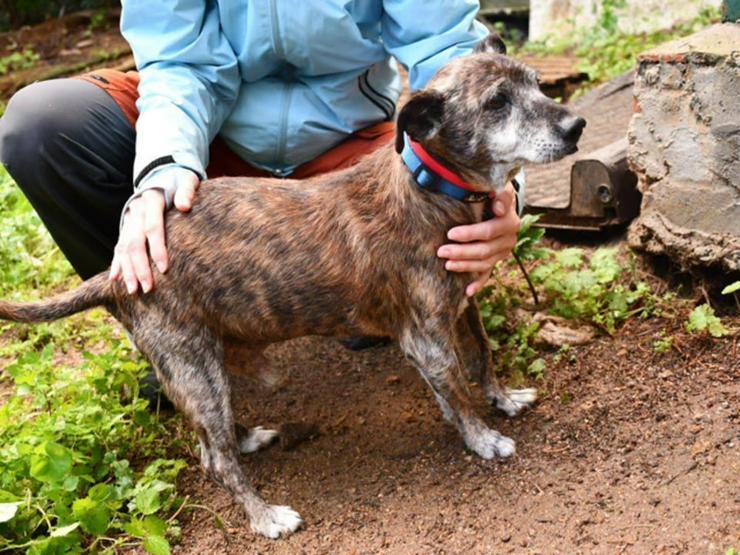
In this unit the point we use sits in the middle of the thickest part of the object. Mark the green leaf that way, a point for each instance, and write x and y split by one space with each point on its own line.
53 464
537 368
135 528
570 258
731 288
70 483
147 501
605 265
94 517
155 526
64 530
157 545
702 318
8 510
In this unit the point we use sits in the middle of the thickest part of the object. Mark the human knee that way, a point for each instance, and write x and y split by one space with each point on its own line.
32 119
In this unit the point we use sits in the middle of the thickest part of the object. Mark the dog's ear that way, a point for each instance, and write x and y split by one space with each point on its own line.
492 44
420 117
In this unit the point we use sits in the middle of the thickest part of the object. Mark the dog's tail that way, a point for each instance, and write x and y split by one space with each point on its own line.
93 292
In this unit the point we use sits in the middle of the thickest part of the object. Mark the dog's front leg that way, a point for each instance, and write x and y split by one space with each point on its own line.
475 351
433 352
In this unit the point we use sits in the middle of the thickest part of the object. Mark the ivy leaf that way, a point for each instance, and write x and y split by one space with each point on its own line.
53 464
8 510
157 545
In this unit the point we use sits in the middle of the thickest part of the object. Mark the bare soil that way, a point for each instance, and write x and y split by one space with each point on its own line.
66 46
626 452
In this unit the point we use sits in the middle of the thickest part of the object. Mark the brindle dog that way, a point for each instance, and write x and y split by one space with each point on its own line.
350 253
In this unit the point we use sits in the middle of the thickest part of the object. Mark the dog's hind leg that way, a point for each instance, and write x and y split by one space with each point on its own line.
189 364
473 345
433 352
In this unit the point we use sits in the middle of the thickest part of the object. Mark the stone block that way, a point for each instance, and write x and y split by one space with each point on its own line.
684 146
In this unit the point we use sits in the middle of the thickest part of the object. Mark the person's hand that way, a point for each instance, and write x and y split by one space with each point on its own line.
143 224
485 243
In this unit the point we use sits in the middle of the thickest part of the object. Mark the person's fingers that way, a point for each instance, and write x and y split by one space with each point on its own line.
479 250
478 284
504 201
115 269
482 231
486 230
154 227
132 247
471 265
185 192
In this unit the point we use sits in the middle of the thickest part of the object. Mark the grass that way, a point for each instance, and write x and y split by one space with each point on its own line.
84 465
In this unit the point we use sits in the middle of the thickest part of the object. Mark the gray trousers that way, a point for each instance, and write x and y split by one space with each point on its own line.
70 149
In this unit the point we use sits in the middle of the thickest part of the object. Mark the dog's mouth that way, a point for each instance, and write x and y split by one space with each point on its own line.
570 149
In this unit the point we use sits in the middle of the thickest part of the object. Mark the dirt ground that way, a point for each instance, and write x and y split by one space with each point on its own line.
626 452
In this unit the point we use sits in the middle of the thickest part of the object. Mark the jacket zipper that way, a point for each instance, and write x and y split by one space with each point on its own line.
283 131
287 91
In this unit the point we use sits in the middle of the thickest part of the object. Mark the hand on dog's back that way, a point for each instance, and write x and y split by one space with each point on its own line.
143 225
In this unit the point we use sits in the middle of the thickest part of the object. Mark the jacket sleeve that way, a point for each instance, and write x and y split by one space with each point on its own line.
424 34
189 80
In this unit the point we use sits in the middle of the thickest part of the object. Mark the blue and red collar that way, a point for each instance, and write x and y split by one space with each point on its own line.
432 176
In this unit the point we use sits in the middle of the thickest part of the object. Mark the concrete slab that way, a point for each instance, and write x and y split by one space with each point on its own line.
684 146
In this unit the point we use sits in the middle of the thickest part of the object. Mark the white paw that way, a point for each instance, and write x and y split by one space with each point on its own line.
256 439
489 444
276 521
512 401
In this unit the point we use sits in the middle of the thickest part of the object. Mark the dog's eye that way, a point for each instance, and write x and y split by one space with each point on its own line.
497 101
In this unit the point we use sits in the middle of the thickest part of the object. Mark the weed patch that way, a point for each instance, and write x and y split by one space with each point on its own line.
84 465
602 289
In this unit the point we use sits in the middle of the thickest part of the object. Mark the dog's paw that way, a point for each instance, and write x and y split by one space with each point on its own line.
256 439
489 444
276 521
513 401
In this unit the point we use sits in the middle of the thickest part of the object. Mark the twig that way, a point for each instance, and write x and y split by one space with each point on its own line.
178 511
529 281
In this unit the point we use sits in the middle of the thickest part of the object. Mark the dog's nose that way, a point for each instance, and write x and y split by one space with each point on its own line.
571 129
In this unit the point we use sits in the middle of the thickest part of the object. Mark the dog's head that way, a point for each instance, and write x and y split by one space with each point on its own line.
484 116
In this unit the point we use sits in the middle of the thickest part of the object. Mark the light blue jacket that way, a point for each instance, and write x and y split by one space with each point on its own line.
281 81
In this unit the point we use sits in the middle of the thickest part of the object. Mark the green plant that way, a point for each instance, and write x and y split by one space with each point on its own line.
18 60
98 20
84 464
604 51
602 289
732 288
703 320
663 344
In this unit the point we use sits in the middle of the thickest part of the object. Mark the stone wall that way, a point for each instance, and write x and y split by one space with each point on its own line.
685 148
562 17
